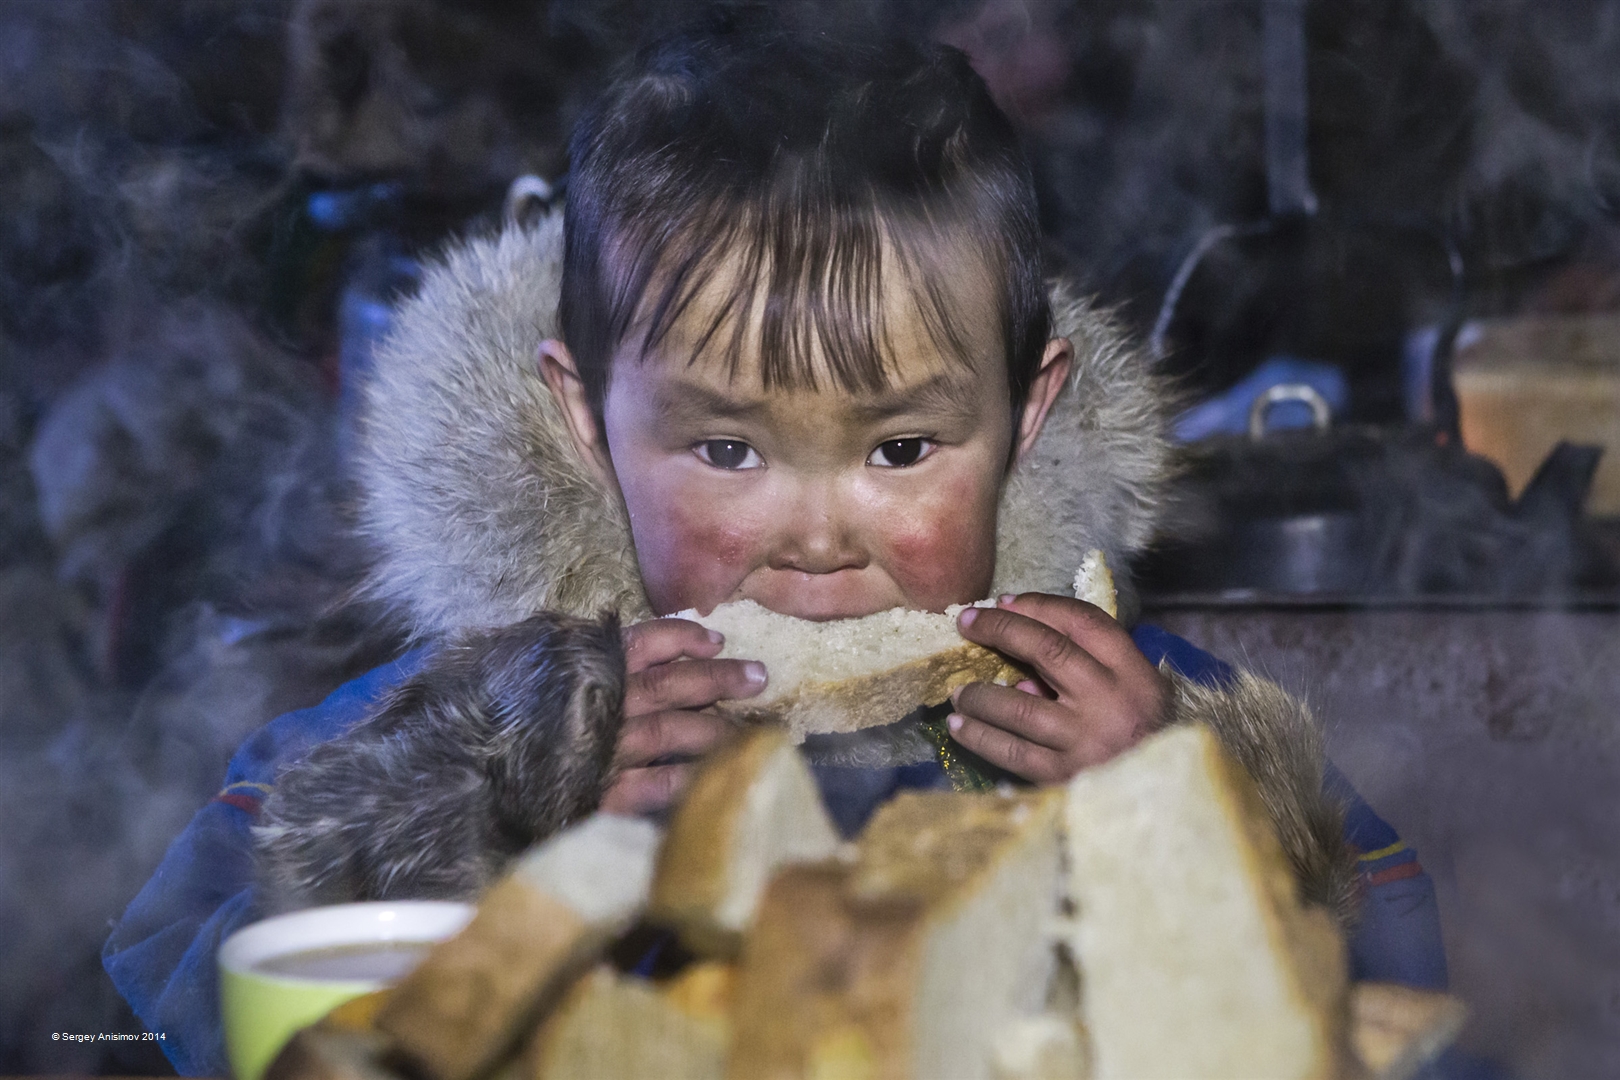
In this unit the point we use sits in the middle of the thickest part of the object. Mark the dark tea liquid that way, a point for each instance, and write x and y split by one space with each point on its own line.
374 961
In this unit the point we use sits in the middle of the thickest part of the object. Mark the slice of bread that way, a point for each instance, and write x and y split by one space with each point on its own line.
848 674
1398 1029
910 961
328 1051
1196 956
752 807
1094 583
1046 1046
475 996
615 1027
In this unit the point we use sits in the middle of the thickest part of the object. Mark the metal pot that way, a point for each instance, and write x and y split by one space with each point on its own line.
1358 512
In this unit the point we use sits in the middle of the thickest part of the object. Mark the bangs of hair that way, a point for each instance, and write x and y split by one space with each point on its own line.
800 274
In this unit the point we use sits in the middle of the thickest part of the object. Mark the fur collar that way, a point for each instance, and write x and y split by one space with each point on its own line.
481 513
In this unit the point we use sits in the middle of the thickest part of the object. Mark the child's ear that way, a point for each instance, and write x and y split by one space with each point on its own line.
1043 390
561 373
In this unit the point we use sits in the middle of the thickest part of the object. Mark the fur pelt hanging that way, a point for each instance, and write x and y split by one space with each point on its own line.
505 736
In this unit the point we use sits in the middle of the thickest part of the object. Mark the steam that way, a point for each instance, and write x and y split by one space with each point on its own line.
173 550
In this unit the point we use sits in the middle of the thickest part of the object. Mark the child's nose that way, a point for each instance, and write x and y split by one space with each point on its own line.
816 534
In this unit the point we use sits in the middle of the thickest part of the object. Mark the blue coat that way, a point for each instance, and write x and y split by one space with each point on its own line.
161 954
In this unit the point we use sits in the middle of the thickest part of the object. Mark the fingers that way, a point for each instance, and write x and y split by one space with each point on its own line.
1017 755
658 641
1060 662
1096 695
645 739
691 684
646 791
1088 625
1023 712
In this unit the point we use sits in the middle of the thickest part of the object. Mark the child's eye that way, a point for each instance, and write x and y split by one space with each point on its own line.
898 453
728 454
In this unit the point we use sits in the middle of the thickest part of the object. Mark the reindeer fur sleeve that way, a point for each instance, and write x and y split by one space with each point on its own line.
501 739
1276 739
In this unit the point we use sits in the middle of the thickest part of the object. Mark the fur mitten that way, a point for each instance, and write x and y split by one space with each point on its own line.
501 739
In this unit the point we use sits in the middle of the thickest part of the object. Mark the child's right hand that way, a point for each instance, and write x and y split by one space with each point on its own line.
672 674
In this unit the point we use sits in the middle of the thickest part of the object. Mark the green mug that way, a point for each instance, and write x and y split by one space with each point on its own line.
271 977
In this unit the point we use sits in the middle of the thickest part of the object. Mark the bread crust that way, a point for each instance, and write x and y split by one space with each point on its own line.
934 844
690 879
835 973
872 700
1302 932
473 997
825 982
1397 1029
1299 944
697 870
611 1025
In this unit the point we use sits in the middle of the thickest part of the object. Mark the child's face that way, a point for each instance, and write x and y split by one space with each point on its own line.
821 504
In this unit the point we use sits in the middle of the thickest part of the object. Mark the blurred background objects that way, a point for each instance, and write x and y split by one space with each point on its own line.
1375 242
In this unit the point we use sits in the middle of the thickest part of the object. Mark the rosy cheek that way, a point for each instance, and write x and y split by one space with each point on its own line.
943 554
693 557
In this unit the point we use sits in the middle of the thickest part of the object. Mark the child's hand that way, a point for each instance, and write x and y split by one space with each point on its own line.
672 674
1097 695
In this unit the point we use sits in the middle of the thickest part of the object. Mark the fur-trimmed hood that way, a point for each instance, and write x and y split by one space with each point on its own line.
491 532
481 512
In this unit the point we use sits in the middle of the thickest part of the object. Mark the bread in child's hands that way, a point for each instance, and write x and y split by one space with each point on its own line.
1094 583
848 674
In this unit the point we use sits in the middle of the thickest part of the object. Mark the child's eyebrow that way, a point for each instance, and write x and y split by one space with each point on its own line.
686 401
940 395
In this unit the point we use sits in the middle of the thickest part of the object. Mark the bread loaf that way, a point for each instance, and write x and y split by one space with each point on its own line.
912 959
953 939
847 674
752 807
476 995
1196 956
1396 1030
1046 1046
614 1027
333 1051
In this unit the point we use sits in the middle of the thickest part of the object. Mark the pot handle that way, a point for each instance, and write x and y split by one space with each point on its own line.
1321 415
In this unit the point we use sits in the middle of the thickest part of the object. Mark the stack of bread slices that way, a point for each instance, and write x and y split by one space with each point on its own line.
1140 922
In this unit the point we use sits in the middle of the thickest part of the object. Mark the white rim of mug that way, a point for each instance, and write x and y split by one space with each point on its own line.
366 923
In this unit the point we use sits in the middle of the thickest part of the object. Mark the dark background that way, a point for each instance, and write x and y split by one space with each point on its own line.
202 202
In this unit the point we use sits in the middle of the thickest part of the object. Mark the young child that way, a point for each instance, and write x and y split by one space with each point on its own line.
791 342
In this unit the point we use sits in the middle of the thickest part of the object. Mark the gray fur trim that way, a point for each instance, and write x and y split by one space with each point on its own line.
1277 740
481 512
500 740
1095 476
479 509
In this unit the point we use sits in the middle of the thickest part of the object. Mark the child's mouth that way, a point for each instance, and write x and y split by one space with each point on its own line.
844 594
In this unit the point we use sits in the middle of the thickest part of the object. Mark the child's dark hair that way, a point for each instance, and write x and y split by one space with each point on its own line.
802 156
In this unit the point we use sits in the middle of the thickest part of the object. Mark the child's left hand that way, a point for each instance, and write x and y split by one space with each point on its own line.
1097 695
